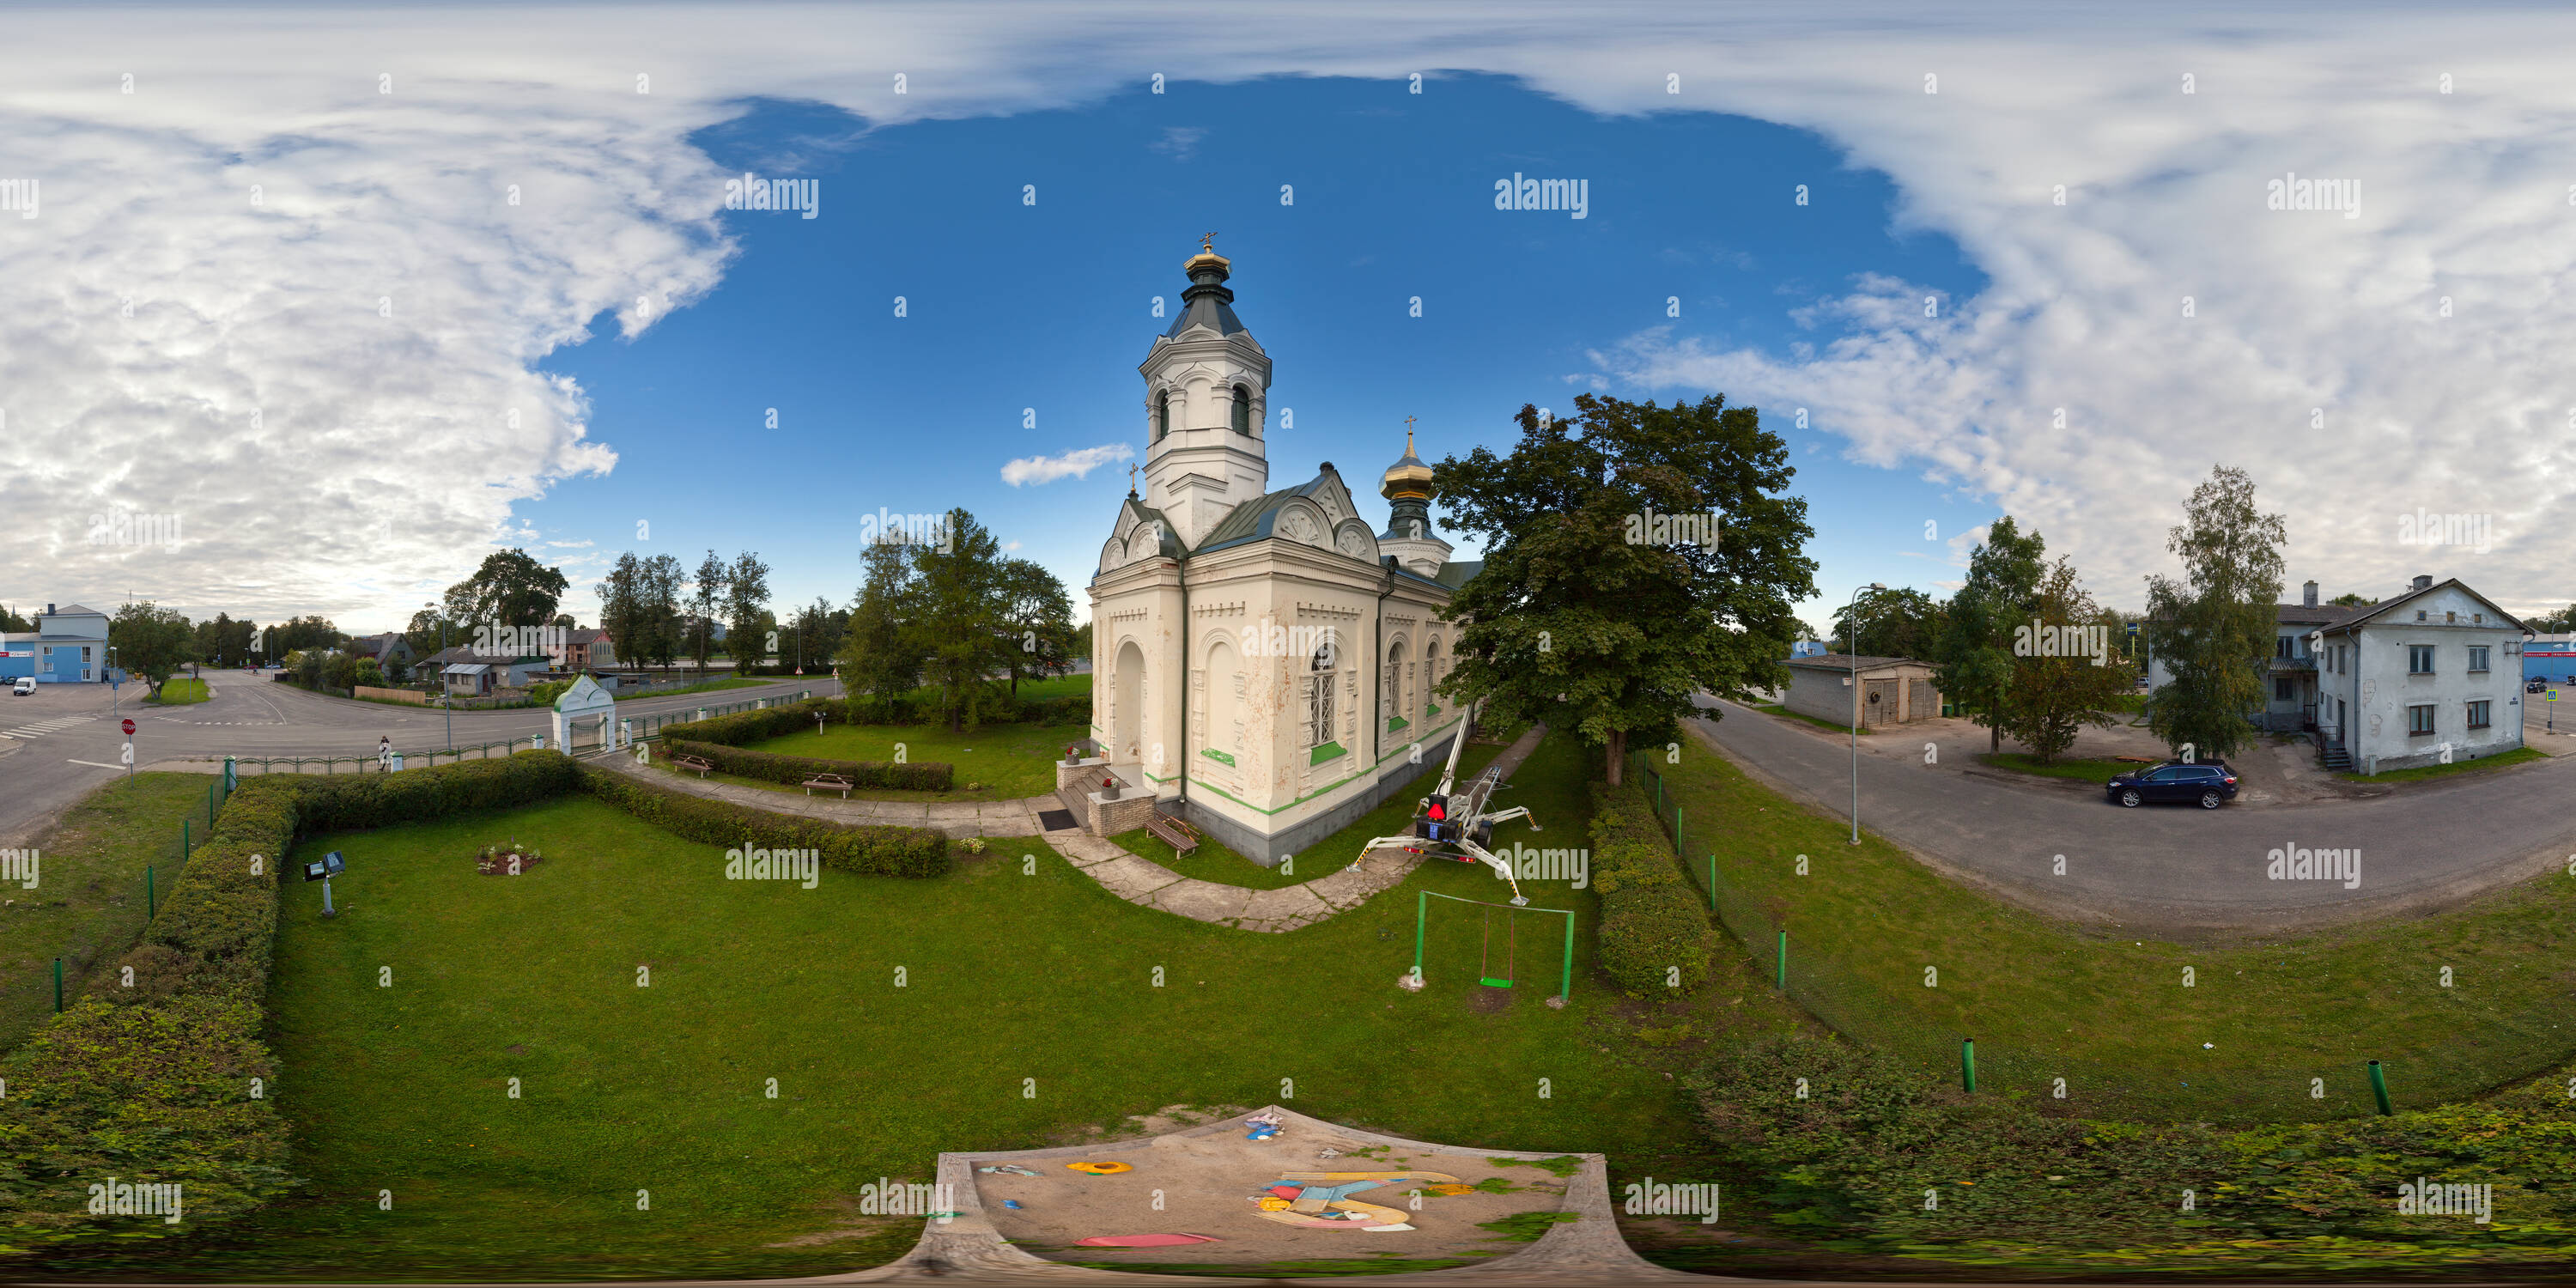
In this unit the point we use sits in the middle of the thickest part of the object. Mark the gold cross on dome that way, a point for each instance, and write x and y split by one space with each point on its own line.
1131 480
1408 436
1207 242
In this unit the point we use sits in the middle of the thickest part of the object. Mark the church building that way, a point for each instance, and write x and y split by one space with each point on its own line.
1264 662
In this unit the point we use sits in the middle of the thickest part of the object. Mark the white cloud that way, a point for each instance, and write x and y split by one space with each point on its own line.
382 455
1179 142
1073 464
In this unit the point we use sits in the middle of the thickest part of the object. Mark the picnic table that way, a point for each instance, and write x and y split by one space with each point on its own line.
698 763
828 782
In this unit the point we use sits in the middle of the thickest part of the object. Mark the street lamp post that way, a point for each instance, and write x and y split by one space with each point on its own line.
444 703
1851 617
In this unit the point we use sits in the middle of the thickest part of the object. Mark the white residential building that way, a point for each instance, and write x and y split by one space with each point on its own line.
2431 675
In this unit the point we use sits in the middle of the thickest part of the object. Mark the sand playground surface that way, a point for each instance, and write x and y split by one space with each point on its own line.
1213 1180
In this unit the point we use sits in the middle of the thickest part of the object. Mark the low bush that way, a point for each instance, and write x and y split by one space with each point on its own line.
867 851
351 802
743 728
1651 918
772 767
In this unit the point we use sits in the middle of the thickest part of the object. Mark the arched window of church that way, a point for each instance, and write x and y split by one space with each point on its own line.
1242 410
1430 679
1162 415
1319 697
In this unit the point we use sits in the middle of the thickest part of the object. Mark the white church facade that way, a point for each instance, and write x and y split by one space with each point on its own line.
1263 661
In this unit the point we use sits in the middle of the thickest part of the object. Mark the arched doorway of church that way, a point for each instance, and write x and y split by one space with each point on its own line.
1127 707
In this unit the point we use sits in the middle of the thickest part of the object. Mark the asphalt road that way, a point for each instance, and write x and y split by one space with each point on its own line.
63 741
2174 870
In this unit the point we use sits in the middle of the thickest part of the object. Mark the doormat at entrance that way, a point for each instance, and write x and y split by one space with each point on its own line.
1056 820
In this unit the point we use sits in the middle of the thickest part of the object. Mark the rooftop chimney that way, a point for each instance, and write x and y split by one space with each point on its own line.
2308 595
49 610
2423 583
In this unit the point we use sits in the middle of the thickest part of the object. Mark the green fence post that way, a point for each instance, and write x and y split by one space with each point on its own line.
2379 1088
1421 911
1968 1065
210 804
1680 850
1565 981
1780 973
184 844
1712 881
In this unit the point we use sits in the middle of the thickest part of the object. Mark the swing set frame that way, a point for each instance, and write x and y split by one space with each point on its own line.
1421 920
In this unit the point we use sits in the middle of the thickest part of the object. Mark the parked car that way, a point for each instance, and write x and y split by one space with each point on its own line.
2209 783
2536 686
26 684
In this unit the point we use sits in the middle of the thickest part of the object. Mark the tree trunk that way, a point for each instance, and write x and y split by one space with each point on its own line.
1618 756
1995 739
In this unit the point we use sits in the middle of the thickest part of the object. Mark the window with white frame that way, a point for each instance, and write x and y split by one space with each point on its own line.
2477 657
2419 659
1319 698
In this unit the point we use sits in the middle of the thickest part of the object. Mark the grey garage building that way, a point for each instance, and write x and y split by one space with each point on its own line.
1891 690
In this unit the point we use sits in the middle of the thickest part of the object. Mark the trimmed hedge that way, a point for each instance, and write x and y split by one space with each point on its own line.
917 709
772 767
1651 918
868 851
746 727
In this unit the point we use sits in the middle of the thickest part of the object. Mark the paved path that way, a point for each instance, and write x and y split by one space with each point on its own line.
2169 869
1131 877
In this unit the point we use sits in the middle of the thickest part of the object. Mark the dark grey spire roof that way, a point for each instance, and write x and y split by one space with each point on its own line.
1207 302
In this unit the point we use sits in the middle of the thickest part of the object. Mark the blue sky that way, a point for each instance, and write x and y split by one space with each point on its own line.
1012 307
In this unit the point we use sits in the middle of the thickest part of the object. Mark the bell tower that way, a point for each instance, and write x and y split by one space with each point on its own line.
1207 391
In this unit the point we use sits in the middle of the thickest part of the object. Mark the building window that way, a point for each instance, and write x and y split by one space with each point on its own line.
2419 659
2419 721
2281 646
2283 690
2477 715
1162 415
1242 410
1319 698
2477 657
2419 614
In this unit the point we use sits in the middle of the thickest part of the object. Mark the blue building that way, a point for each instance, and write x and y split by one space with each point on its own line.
69 647
2550 657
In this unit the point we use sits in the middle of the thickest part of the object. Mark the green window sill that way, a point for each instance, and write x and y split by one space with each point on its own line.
1326 752
1215 755
1394 723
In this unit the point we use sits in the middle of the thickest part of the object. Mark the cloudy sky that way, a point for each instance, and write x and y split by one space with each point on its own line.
357 295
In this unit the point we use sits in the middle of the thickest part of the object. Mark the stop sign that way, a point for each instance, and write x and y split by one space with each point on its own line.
129 728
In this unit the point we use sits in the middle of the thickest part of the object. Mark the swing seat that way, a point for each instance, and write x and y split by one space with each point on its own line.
1495 983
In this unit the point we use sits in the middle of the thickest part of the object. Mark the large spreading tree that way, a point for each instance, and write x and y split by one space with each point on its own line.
1572 623
1899 621
510 588
2214 628
1975 652
2060 683
151 641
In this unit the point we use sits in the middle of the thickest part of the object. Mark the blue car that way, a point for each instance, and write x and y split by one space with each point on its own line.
2208 784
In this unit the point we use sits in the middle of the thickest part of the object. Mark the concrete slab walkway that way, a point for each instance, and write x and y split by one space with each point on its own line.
1137 880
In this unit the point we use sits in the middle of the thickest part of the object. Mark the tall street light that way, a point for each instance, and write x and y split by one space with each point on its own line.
444 702
1851 617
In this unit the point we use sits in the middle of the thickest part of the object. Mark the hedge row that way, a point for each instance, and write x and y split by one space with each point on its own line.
920 709
1651 917
771 767
152 1083
743 728
868 851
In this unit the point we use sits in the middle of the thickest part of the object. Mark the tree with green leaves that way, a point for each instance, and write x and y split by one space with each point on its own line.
511 588
748 622
1037 615
2350 600
957 618
2213 629
12 623
706 591
1608 638
151 642
2059 685
1975 651
1899 621
877 656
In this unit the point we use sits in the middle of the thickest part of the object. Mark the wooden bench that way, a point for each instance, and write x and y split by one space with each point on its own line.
698 763
1182 837
828 782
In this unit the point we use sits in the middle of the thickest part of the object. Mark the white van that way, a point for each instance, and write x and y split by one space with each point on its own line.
26 684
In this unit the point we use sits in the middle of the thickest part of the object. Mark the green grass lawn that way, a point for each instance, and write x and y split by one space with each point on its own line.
1054 686
1010 760
88 904
729 682
1214 862
1028 1008
2091 771
2111 1015
2483 764
178 691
